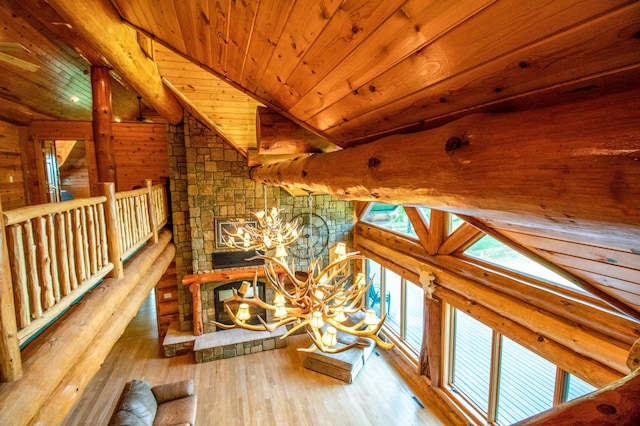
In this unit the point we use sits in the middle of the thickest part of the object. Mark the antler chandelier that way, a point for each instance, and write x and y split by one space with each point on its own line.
326 303
270 233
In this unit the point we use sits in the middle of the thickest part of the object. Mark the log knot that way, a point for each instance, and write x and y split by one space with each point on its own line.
374 162
607 409
454 143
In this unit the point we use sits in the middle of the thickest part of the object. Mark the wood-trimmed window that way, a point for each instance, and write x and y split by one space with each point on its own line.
498 381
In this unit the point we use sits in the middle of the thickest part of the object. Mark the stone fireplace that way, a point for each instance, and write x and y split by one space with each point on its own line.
210 182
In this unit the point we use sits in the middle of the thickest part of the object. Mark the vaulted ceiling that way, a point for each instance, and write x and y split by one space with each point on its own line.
349 72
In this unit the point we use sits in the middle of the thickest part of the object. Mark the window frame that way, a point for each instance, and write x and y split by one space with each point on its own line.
399 339
560 385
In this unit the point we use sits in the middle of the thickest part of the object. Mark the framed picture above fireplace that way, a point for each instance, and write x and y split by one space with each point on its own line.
227 225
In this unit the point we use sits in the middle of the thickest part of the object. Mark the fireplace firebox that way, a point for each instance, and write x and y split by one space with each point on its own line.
223 292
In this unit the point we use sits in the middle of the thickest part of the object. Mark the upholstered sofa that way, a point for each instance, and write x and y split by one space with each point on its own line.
167 404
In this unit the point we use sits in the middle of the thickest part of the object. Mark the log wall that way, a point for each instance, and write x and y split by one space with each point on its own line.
12 181
141 153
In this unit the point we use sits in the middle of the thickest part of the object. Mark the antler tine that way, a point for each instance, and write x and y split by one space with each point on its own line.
239 324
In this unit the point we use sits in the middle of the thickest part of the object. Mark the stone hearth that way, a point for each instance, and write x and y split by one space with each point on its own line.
221 344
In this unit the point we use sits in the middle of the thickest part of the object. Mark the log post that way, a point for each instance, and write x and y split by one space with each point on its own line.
102 134
113 235
633 360
198 327
10 360
430 355
153 223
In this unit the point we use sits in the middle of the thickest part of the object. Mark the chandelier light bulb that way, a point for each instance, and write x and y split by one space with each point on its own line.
340 316
316 320
280 311
243 312
329 338
278 299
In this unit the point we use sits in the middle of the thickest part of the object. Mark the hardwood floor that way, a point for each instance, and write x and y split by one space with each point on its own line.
267 388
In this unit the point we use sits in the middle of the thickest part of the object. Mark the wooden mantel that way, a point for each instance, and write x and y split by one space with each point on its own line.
194 281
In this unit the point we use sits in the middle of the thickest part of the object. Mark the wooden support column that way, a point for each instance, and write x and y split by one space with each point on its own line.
198 327
113 233
430 354
10 360
153 223
102 134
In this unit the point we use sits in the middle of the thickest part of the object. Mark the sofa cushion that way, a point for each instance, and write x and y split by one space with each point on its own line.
169 391
137 405
177 411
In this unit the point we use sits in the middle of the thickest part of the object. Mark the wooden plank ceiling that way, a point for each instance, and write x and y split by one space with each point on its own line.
353 70
350 71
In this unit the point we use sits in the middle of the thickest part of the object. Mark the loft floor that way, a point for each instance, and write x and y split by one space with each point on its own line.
265 388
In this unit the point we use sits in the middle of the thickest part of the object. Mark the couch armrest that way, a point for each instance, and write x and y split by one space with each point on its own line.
171 391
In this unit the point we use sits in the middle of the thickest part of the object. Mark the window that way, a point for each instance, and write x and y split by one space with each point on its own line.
471 367
521 383
415 316
373 296
526 383
575 388
493 251
393 287
454 222
391 217
401 300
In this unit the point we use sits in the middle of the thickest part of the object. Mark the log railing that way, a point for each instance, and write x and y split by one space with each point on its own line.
57 252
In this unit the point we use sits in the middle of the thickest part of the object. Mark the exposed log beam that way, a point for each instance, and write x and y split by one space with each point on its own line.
99 24
276 134
616 404
590 314
256 159
15 113
557 343
541 167
74 383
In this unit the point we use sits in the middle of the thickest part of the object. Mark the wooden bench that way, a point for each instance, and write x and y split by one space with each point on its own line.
344 365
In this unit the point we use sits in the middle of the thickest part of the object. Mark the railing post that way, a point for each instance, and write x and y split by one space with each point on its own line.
113 234
152 211
10 359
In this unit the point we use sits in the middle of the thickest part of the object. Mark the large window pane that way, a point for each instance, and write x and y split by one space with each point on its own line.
373 296
493 251
454 223
415 321
392 284
577 387
390 217
527 383
471 359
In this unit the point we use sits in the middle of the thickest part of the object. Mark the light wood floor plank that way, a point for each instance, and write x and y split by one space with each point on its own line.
267 388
